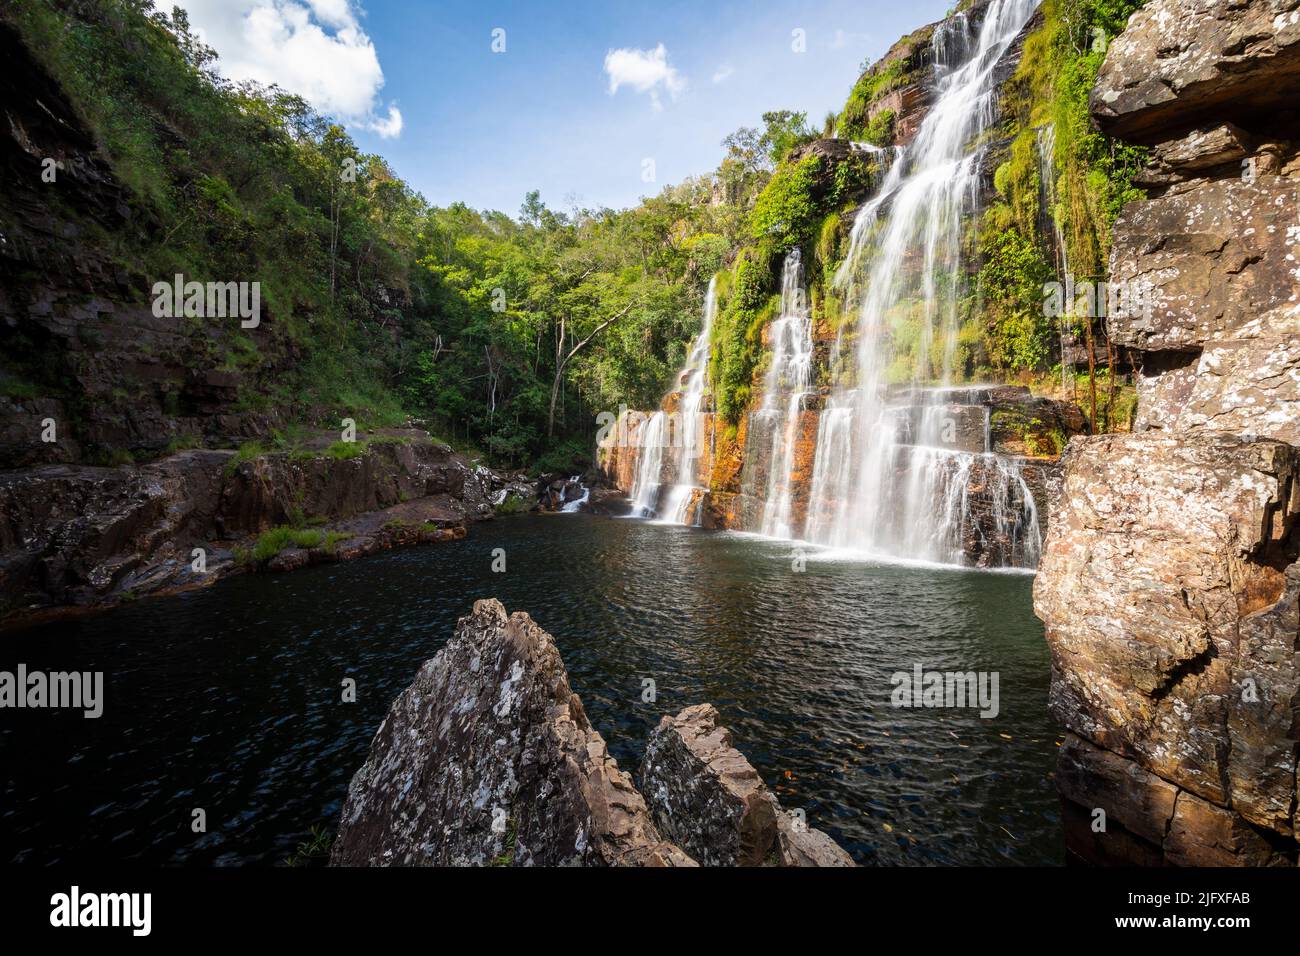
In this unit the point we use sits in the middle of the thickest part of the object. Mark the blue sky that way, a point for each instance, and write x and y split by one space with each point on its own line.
419 83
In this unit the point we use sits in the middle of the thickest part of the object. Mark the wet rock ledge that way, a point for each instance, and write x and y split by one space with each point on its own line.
488 759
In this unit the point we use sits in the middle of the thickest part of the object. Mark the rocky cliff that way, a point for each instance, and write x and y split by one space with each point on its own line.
1170 582
81 345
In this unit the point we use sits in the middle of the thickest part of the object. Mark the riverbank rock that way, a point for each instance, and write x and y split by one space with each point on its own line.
87 536
709 799
488 758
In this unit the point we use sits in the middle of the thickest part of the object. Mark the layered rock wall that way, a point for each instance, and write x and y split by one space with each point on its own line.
1170 587
81 536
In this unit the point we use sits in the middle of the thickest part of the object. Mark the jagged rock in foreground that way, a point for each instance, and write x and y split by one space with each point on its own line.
488 758
710 800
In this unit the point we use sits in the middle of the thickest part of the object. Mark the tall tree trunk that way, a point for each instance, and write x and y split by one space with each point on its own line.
562 359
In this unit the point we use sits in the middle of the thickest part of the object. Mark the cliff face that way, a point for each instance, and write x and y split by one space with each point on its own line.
1170 587
80 342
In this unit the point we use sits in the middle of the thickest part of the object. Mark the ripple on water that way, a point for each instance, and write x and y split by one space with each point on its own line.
230 698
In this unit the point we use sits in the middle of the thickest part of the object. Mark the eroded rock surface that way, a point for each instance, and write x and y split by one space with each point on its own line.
1170 584
488 758
1183 61
710 800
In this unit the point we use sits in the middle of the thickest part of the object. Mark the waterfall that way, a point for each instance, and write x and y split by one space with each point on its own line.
784 388
689 454
574 506
645 487
891 475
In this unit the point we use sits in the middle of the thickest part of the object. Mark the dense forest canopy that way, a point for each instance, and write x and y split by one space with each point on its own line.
506 334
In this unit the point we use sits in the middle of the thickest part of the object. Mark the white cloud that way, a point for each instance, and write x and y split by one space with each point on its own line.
646 71
723 73
315 48
843 39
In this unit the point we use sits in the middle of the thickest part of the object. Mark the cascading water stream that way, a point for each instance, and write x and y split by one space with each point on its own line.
784 389
887 477
645 487
687 454
1047 176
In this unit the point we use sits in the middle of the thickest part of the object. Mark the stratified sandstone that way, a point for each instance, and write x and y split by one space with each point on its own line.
1181 62
711 801
488 758
1170 583
1170 602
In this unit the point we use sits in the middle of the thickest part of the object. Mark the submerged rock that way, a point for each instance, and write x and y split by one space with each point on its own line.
711 801
488 758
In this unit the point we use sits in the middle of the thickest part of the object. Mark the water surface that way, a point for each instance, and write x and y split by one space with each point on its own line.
229 699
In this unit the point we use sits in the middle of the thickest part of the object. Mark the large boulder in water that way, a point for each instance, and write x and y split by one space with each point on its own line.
711 801
488 758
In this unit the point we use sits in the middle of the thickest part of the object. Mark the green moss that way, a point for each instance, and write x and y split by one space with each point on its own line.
880 131
513 504
871 86
246 452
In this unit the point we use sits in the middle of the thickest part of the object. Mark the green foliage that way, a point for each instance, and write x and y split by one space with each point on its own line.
880 131
871 86
782 131
270 543
1011 280
1091 179
315 850
513 504
785 214
343 450
377 306
246 452
745 305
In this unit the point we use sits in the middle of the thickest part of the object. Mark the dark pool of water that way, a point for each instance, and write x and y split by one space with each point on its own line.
229 699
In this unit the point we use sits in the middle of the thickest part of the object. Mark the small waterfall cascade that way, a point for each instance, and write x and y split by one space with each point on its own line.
684 432
901 468
784 389
574 506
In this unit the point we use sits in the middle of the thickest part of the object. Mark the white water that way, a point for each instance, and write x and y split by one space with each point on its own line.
784 390
874 489
688 456
1047 176
645 487
570 507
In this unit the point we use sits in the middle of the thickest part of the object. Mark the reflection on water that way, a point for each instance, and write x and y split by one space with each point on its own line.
229 699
